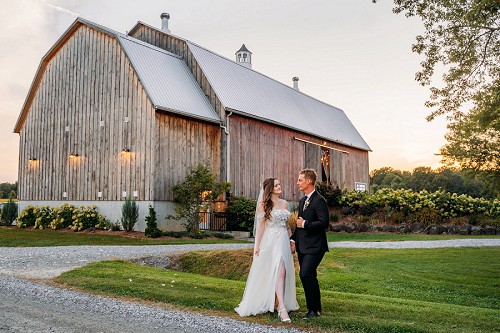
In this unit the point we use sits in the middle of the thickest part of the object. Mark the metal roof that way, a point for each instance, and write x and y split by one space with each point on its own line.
167 80
249 92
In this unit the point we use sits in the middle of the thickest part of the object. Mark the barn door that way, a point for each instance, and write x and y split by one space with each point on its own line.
337 166
313 158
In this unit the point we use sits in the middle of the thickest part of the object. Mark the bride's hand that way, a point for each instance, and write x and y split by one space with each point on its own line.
257 252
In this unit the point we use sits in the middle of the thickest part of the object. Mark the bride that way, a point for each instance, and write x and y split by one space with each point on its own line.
272 273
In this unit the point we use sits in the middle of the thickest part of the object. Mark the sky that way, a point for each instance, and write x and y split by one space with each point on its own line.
353 54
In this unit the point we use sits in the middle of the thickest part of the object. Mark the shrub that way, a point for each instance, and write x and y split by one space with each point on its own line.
426 216
197 192
45 215
63 216
27 217
242 213
333 217
151 225
9 212
87 217
222 235
116 226
366 210
175 234
130 214
331 193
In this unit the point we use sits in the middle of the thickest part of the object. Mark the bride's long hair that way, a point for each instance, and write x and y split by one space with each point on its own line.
268 186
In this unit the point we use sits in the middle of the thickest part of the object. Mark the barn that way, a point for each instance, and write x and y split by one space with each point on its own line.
111 115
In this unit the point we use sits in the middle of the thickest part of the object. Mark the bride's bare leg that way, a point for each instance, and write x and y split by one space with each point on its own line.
280 291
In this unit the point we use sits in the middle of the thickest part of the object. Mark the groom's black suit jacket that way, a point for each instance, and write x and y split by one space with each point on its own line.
312 238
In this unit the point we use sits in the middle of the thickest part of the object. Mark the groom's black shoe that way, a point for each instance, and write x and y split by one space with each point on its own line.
311 314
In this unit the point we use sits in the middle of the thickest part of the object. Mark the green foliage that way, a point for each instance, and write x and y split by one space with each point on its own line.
463 38
8 190
27 217
116 226
198 191
197 234
9 212
130 214
41 217
431 206
473 183
151 225
331 193
242 212
87 217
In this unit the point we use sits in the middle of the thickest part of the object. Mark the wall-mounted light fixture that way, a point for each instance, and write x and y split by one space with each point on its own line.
32 159
67 129
124 194
99 194
127 120
73 155
126 150
136 194
101 123
65 194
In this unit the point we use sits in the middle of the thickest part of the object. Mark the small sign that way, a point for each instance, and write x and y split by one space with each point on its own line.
360 186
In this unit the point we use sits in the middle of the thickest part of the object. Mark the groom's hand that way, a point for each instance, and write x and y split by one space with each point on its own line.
292 247
300 222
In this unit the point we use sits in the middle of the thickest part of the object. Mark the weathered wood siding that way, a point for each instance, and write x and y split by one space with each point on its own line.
182 144
260 150
88 80
178 46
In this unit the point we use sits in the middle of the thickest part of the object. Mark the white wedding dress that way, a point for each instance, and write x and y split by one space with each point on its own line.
260 290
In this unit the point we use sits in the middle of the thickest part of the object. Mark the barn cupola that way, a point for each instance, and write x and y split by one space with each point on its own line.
244 56
164 22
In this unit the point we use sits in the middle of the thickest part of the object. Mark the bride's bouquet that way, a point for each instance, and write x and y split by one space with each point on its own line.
292 219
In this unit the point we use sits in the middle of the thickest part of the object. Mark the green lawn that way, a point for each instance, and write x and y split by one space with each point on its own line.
393 237
17 237
363 290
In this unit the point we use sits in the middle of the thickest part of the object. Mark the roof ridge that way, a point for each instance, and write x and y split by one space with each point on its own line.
257 72
200 46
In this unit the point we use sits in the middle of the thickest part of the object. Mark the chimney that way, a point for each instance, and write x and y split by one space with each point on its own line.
164 22
295 83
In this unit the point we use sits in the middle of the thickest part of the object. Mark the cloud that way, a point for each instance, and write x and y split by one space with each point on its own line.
60 9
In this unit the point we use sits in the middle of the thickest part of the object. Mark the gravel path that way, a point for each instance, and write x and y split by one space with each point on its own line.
30 307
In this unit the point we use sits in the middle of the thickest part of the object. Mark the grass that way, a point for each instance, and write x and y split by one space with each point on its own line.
17 237
363 290
394 237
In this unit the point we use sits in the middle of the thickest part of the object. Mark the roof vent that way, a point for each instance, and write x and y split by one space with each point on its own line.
164 22
295 83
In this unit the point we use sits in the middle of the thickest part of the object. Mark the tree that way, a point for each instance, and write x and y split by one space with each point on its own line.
463 37
197 192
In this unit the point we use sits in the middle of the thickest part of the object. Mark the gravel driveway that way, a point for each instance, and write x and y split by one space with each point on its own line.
28 307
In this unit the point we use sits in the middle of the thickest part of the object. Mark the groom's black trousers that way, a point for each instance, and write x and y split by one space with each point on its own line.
308 275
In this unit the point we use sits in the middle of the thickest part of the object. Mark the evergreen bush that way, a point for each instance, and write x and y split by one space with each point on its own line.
9 212
151 225
130 214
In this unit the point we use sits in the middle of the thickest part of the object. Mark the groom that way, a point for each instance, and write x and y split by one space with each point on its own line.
309 239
